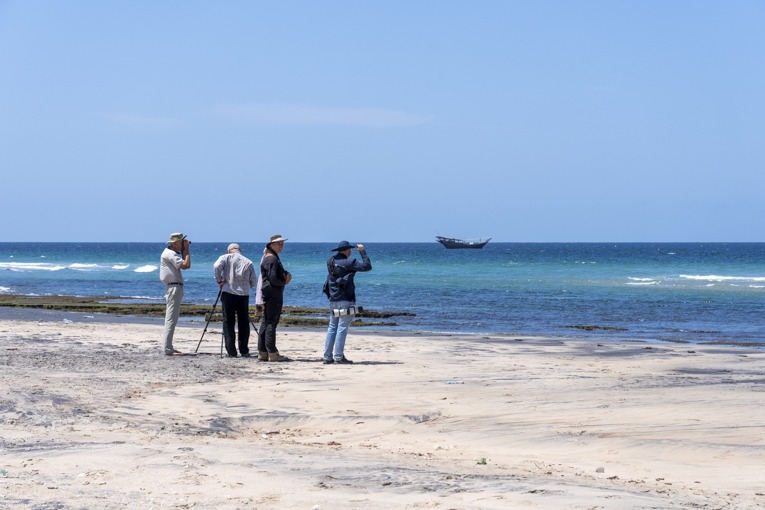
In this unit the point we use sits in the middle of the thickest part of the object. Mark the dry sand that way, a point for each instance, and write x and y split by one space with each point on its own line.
92 416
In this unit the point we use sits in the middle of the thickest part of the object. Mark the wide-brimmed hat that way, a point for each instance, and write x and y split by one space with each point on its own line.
344 245
176 237
276 239
233 246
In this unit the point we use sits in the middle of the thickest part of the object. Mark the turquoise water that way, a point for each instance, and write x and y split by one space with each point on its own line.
678 292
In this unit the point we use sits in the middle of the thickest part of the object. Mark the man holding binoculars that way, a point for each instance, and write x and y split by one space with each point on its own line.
174 258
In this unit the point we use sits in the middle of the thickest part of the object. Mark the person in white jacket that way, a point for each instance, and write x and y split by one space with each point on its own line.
235 275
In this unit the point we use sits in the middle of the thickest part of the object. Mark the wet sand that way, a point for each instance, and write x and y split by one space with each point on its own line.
92 416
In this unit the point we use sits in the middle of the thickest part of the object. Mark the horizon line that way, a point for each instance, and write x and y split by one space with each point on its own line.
393 242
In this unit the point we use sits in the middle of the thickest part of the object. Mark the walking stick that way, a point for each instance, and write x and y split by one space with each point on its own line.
208 323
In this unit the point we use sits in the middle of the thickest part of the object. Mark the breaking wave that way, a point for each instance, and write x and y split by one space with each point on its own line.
145 269
30 266
714 278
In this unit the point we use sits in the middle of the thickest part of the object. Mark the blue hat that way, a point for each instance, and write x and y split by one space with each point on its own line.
344 245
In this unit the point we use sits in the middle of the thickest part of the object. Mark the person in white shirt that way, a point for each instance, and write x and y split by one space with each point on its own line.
174 258
235 275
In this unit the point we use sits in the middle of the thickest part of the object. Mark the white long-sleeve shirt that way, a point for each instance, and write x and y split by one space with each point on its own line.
238 273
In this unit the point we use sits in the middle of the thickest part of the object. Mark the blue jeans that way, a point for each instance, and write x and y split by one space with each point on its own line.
338 330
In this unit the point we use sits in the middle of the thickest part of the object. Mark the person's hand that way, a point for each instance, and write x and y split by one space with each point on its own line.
287 279
359 247
221 284
186 244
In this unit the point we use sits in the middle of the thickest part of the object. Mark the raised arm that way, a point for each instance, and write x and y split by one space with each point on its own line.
365 264
186 255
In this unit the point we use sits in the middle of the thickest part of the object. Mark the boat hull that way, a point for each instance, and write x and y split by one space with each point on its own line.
455 245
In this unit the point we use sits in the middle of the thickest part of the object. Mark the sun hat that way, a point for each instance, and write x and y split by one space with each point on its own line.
275 239
233 246
176 237
344 245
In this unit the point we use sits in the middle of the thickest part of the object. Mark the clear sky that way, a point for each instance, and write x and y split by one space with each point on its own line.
382 121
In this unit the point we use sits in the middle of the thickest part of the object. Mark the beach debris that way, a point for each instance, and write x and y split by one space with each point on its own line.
578 473
264 436
439 447
88 317
80 475
316 507
40 324
600 470
67 321
3 472
455 382
335 388
275 431
482 461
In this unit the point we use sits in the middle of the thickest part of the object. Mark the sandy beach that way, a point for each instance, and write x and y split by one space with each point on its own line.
91 416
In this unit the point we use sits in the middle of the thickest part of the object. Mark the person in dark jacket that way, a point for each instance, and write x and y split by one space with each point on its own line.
341 291
275 278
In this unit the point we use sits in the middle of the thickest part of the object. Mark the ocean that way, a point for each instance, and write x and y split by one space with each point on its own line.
676 292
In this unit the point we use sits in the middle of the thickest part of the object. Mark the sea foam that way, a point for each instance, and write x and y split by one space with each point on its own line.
121 267
30 266
714 278
79 266
145 269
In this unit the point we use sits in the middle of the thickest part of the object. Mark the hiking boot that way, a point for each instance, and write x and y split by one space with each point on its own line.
328 361
262 355
275 356
344 361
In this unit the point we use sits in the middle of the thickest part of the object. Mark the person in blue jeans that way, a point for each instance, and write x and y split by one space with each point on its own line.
341 291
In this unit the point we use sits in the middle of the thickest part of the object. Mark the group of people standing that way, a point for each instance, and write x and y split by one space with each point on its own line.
236 277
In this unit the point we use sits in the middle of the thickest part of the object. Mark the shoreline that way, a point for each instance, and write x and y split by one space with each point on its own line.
39 314
93 416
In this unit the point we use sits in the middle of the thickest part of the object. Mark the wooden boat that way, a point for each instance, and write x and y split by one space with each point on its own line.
451 244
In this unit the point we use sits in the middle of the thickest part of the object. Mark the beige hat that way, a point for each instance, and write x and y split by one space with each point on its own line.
276 239
233 246
176 237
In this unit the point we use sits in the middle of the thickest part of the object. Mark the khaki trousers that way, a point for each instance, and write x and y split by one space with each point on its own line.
173 296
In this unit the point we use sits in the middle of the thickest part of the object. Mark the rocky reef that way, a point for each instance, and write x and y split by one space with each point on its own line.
291 315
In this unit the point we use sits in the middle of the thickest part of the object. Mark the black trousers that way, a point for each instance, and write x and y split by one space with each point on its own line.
272 312
236 308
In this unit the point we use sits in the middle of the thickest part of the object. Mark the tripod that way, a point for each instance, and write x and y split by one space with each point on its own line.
251 321
208 323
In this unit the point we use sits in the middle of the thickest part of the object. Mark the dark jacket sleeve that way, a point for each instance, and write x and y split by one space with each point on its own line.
364 265
270 270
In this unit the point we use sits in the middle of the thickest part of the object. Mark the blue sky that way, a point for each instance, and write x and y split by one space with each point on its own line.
382 121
